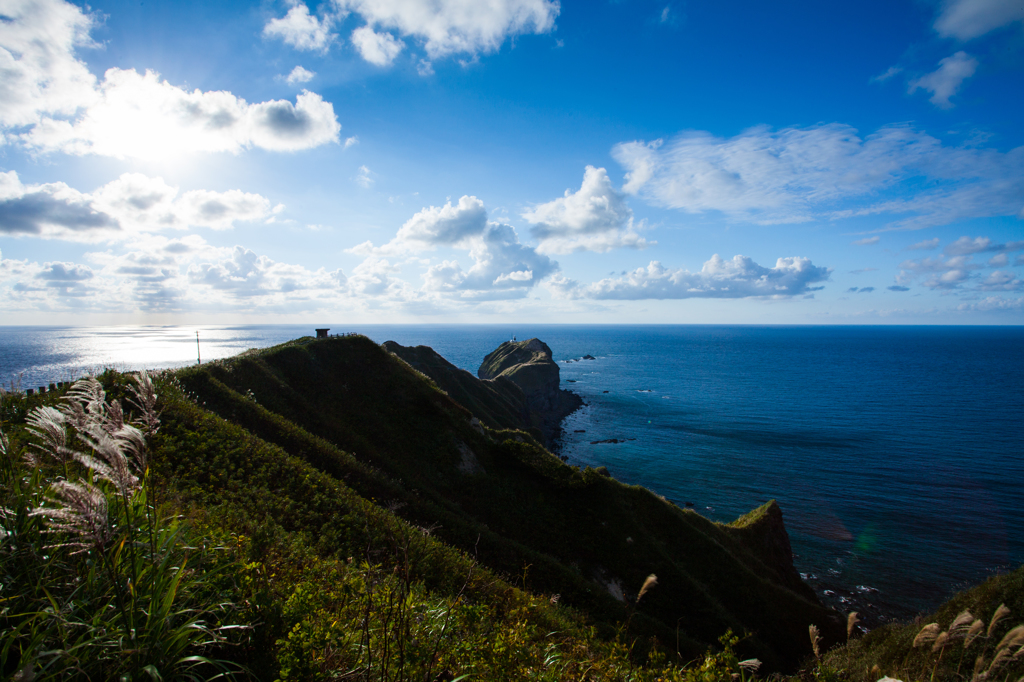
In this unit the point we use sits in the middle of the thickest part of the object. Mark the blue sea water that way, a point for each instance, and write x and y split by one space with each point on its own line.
896 453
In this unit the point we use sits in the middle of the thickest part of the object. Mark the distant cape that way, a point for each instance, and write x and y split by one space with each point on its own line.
517 388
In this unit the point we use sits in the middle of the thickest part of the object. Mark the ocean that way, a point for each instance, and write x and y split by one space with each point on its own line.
896 453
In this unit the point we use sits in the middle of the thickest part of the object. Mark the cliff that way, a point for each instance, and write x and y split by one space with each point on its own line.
499 405
518 386
528 365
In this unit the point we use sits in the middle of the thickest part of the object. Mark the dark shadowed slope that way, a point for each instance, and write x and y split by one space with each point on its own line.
361 415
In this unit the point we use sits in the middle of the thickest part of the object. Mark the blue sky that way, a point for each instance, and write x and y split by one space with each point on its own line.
514 160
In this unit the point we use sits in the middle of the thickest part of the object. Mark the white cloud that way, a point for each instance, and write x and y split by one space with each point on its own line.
51 210
942 273
61 282
739 277
1000 260
376 277
502 266
38 68
956 267
596 218
125 207
889 73
53 103
993 304
966 245
301 30
436 226
299 75
160 274
457 26
1001 280
945 81
967 19
140 116
244 274
365 177
424 68
376 48
350 142
926 245
825 172
867 241
220 210
139 201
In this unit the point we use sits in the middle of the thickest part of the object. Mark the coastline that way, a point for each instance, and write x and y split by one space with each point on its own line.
710 442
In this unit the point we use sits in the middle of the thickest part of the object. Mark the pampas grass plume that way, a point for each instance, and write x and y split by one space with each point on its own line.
959 627
976 629
1001 612
927 635
851 622
1002 656
815 640
651 582
1013 638
81 512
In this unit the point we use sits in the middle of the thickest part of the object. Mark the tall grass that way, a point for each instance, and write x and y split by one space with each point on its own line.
962 647
97 583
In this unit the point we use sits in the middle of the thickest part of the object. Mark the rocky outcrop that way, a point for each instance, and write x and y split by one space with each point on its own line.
517 388
529 366
499 405
763 533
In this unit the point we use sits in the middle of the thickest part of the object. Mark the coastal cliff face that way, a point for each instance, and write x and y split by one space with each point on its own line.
517 388
763 533
528 365
499 405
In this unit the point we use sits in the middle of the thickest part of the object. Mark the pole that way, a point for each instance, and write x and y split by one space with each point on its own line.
199 359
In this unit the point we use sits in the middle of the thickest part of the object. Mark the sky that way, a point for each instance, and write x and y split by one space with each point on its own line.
472 161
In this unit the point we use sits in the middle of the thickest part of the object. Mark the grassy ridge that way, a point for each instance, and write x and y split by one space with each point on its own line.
563 531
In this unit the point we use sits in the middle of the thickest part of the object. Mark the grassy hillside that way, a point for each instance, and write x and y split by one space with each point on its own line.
343 517
361 416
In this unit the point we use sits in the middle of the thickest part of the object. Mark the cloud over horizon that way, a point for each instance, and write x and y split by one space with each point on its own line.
824 172
739 277
595 218
130 205
502 266
955 267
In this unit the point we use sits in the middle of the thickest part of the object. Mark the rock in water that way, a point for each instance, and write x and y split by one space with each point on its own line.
528 365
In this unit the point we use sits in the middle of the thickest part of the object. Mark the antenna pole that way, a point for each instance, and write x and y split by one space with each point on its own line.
199 359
